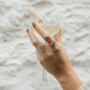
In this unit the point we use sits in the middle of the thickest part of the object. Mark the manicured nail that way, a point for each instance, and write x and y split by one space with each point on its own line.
34 24
27 30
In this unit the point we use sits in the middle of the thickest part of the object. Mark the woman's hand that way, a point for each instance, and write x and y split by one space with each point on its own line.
52 56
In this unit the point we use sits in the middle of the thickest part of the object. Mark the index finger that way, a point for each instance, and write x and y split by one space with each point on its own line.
42 33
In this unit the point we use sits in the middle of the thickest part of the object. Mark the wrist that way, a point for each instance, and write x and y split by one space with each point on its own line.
69 80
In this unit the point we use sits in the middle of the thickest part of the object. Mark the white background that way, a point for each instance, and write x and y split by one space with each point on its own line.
18 61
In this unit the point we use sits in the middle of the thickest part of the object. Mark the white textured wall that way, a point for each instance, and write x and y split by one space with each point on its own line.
18 64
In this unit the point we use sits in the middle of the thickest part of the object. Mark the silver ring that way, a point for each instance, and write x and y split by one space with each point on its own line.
52 43
41 48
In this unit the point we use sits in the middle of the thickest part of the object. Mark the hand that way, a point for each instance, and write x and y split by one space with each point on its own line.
52 57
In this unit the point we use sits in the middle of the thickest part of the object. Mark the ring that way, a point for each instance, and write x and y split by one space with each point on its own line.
41 48
52 43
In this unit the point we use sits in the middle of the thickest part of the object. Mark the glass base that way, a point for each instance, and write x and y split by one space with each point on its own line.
45 85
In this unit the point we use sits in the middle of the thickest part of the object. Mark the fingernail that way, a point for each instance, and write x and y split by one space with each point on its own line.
27 30
34 24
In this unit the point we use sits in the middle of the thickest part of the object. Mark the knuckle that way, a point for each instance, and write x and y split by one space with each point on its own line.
35 43
46 37
57 48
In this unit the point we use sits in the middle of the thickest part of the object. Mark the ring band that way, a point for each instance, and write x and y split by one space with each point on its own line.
52 43
41 48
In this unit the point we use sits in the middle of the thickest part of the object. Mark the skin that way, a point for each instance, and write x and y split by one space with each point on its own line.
54 58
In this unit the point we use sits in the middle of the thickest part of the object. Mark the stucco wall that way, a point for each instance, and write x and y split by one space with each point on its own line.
18 62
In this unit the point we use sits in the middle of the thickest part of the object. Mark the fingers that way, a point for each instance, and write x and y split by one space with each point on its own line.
42 33
57 36
33 39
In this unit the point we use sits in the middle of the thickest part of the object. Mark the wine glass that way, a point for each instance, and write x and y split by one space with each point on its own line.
46 83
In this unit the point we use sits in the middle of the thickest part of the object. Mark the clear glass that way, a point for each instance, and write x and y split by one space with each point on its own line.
45 83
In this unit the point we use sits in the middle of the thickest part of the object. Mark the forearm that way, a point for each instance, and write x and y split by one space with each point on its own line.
69 80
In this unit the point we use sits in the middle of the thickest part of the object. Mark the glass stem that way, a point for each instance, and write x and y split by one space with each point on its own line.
44 74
